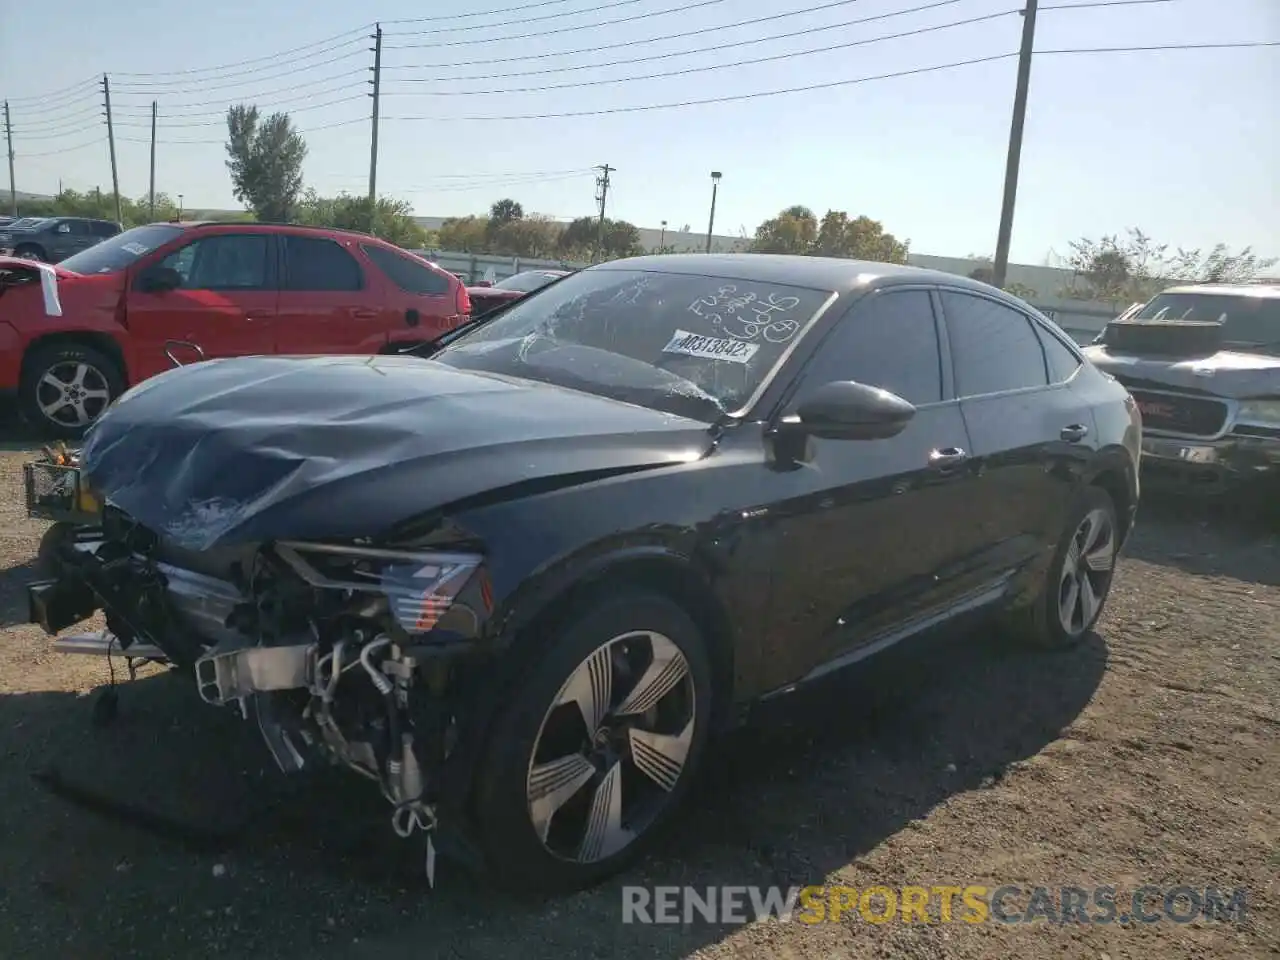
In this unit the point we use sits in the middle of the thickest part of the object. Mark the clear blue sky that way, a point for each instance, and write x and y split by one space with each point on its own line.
1185 145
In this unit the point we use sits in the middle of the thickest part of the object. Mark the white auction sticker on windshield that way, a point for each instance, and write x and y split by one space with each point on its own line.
710 348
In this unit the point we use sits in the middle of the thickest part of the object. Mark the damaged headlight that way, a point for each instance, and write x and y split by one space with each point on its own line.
1260 411
420 587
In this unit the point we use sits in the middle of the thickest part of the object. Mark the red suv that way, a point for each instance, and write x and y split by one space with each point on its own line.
75 335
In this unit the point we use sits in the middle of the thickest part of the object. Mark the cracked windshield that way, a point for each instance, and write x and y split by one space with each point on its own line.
688 344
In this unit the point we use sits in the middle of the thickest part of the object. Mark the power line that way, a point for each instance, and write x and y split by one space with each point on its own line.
306 133
91 85
96 142
830 5
482 178
524 20
825 85
496 184
722 66
59 127
1236 45
824 28
265 57
287 72
222 101
186 121
537 5
547 33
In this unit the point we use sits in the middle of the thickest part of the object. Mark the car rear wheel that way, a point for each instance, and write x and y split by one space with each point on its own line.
30 252
597 746
1078 581
67 386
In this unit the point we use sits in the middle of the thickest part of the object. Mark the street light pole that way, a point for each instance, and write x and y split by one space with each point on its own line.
662 237
715 183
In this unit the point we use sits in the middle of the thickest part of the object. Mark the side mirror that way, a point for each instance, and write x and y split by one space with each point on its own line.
848 410
160 279
484 283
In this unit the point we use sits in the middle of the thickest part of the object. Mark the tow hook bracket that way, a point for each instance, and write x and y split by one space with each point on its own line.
233 671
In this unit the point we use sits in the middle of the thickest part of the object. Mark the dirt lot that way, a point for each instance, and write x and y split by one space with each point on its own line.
1151 755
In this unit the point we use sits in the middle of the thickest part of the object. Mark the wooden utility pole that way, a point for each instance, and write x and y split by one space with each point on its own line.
152 197
1001 265
111 145
602 182
13 187
373 140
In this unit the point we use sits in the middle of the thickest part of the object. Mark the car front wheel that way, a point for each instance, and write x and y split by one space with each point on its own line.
597 746
67 386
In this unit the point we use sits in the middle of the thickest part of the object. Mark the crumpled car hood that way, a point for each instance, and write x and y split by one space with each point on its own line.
1227 373
262 448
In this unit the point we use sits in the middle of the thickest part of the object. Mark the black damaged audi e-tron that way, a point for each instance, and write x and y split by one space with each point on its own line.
520 582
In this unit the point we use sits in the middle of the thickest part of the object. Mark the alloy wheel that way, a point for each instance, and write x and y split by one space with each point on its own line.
1086 572
73 393
612 747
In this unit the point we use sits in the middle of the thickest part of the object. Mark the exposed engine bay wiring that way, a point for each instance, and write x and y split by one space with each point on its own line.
325 646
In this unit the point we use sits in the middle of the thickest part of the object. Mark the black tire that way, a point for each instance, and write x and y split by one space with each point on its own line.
515 855
56 358
1040 623
31 251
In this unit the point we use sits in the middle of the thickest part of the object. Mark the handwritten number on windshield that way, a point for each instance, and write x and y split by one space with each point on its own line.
748 316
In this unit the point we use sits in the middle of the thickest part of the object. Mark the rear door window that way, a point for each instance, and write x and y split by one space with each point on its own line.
1063 361
405 272
318 263
993 347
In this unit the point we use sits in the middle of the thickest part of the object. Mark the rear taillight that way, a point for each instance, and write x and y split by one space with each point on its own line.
462 302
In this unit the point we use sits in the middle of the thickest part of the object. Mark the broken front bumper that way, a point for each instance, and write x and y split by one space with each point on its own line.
1210 466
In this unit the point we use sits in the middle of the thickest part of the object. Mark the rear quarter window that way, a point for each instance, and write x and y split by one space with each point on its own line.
405 272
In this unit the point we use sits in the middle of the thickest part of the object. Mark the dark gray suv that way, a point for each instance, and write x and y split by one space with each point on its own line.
53 239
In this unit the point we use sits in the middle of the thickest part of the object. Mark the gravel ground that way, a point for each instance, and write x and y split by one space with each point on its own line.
1149 755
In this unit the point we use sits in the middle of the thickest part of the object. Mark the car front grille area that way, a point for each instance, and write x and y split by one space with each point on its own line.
201 599
1181 413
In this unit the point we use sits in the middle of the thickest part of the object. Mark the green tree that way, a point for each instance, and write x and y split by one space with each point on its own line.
796 230
621 239
860 238
1134 267
465 234
264 158
504 211
531 236
578 239
393 218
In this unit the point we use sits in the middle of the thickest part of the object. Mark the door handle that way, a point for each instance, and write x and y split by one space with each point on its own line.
947 458
362 313
1074 433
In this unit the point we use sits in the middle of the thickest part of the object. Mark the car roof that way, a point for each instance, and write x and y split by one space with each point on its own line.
258 224
827 273
1267 290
